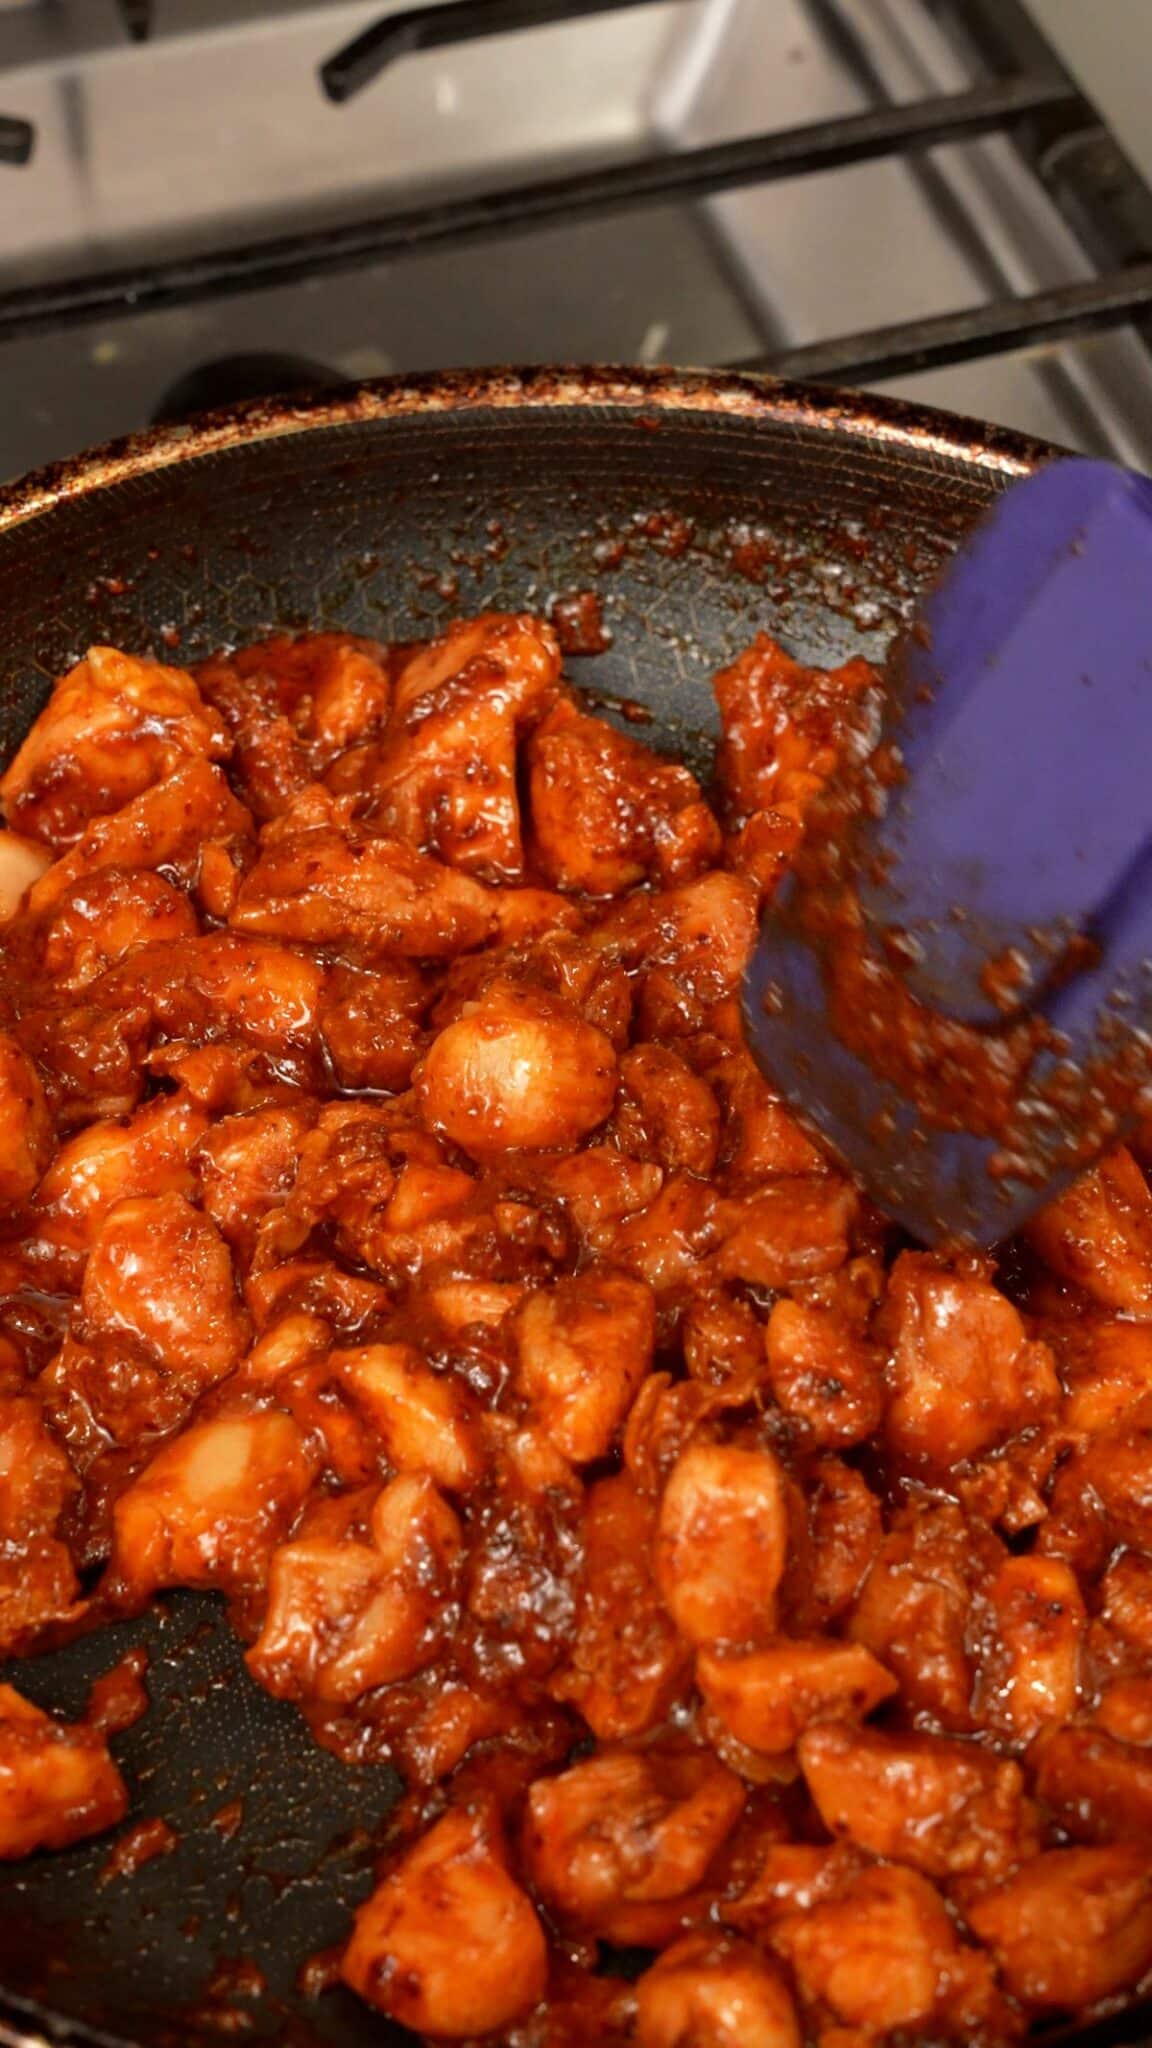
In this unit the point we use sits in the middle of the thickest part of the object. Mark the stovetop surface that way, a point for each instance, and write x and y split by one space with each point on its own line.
216 131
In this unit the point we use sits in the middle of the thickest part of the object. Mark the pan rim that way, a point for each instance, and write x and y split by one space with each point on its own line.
648 393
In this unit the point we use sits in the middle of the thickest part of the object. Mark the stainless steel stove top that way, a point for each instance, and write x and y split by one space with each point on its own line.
215 131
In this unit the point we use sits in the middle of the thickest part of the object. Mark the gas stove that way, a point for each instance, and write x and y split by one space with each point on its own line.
913 194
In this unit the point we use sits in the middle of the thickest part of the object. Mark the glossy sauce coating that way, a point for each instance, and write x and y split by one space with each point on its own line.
398 1240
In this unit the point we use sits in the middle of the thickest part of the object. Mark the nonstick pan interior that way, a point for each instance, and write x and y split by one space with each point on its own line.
699 510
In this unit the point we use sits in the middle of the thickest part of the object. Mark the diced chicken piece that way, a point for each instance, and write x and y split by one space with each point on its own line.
787 1876
518 1072
855 1292
667 1416
521 915
723 1340
627 1661
371 1024
36 1479
335 685
1071 1927
608 812
764 847
171 825
246 1165
424 1194
575 967
963 1375
474 1304
1096 1788
37 1578
627 1827
222 984
113 913
345 1178
1006 1491
523 1561
945 1807
22 862
224 1077
1124 1710
583 1347
1098 1235
296 1340
787 725
761 1138
1126 1600
329 887
914 1607
113 726
722 1542
344 1615
666 1112
700 933
348 690
57 1782
443 777
316 1287
1031 1668
25 1125
333 1426
709 1991
427 1222
598 1188
791 1231
292 706
1105 1363
884 1956
212 1505
448 1944
270 761
91 1059
667 1242
824 1376
426 1421
38 1587
159 1272
100 1394
1102 1496
112 1162
846 1532
448 1720
767 1698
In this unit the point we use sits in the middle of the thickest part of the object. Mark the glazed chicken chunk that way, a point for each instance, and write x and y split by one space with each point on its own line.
57 1782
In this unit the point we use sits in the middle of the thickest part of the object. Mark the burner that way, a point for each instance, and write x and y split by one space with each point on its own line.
230 379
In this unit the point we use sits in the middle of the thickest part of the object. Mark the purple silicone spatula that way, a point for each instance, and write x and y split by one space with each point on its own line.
1009 869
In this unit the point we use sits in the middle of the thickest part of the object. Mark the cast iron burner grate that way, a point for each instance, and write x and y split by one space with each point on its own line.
1021 92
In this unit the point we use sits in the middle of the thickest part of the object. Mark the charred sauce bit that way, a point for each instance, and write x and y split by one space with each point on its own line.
237 1977
120 1698
138 1845
579 622
321 1972
228 1819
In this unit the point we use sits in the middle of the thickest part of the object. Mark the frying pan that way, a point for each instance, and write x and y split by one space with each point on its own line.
700 508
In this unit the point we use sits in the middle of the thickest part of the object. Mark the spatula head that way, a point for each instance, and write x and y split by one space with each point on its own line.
1010 868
